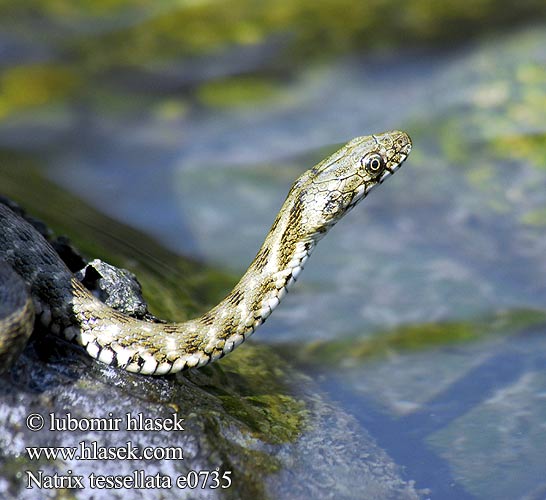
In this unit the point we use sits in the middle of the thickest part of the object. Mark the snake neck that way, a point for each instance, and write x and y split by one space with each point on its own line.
273 271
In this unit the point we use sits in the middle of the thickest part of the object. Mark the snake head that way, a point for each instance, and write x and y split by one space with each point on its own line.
334 186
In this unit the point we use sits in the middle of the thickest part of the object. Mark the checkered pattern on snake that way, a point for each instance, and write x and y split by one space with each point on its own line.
316 201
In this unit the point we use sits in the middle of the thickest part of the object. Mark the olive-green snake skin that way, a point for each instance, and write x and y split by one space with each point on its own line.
316 201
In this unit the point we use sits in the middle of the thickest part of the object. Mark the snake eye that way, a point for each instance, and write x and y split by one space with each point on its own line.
373 163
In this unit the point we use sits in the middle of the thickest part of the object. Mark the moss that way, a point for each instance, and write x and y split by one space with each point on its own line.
529 148
138 33
311 28
237 92
417 338
255 389
29 86
535 217
171 109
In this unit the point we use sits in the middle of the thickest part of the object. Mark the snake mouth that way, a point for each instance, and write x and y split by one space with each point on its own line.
387 173
403 155
389 170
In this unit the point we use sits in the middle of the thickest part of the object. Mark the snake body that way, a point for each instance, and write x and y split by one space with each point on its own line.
315 202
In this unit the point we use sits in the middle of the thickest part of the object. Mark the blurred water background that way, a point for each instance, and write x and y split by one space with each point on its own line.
423 313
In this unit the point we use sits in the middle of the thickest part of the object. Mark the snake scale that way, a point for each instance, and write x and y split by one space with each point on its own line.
35 282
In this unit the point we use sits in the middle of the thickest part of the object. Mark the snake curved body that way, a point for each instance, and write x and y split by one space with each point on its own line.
316 201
